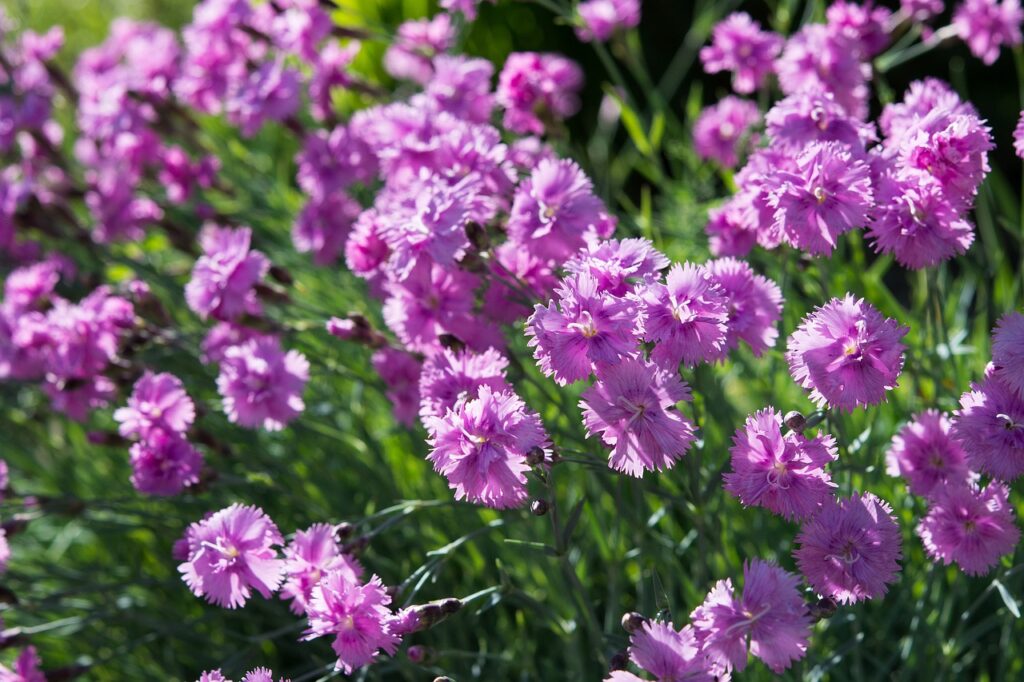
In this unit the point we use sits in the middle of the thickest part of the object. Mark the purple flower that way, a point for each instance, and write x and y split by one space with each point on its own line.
179 175
534 87
784 473
850 549
920 99
27 287
925 453
80 340
731 227
827 195
480 446
921 10
261 385
366 251
417 43
224 277
721 128
555 212
586 327
223 336
230 554
468 8
25 668
633 407
270 93
76 398
312 554
451 377
969 526
864 26
602 18
666 653
323 226
1008 351
514 268
461 86
739 45
820 59
755 304
330 161
400 372
330 71
158 402
355 614
805 117
618 265
990 426
164 463
771 618
299 26
847 354
685 318
987 25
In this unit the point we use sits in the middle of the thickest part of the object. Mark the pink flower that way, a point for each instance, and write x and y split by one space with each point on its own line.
400 372
921 10
261 385
685 318
806 117
632 406
224 277
739 45
619 265
818 59
850 549
969 526
450 378
784 473
771 618
1008 351
987 25
864 26
355 614
164 463
531 83
410 56
847 354
1018 137
666 653
480 446
990 426
602 18
230 554
313 553
925 453
158 401
755 304
25 669
732 227
721 128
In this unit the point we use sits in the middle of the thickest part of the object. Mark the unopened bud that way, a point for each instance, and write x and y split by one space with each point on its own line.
357 545
451 342
618 661
67 673
477 236
451 605
823 608
7 595
632 621
109 438
417 654
344 530
539 507
281 275
443 678
535 456
795 421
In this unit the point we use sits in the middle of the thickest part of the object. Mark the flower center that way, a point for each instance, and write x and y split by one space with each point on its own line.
585 325
1007 421
820 195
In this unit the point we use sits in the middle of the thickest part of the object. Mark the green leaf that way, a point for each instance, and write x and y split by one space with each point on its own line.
1011 603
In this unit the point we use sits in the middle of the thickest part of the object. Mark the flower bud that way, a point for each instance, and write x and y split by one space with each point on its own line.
451 605
632 621
451 342
823 608
535 456
344 530
417 654
539 507
443 678
619 661
794 421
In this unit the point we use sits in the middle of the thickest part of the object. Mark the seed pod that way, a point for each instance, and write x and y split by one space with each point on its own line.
632 621
539 507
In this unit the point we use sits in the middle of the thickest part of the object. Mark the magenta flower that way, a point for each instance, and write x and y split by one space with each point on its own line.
771 618
224 277
784 473
686 318
921 10
1018 137
925 453
77 398
25 669
480 446
666 653
755 304
271 92
451 377
585 328
355 614
157 402
732 227
323 226
410 56
555 212
461 86
721 129
531 83
806 117
739 45
863 26
261 385
80 340
924 96
969 526
987 25
847 354
468 8
850 549
990 426
1008 351
632 405
400 373
819 59
330 71
602 18
619 265
828 194
230 554
312 554
225 335
164 463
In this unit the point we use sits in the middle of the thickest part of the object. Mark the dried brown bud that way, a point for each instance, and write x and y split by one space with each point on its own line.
632 621
794 421
539 507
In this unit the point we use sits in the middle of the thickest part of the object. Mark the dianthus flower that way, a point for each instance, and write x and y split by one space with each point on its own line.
25 668
970 527
76 398
731 228
323 226
586 327
739 45
686 318
618 265
299 26
180 175
261 385
534 88
417 43
990 426
987 25
230 554
602 18
770 618
332 160
632 405
80 339
850 549
925 453
355 615
224 277
828 194
272 92
784 473
722 127
313 553
26 287
921 98
365 250
805 117
847 353
818 59
754 304
480 446
511 268
400 373
555 211
164 463
461 86
158 401
468 8
452 377
666 653
921 10
330 71
1008 351
864 26
223 336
